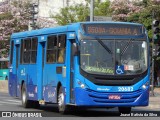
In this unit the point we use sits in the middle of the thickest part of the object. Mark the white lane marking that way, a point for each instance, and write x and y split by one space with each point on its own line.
18 101
6 97
2 102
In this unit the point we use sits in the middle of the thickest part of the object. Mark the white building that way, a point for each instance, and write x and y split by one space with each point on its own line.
47 7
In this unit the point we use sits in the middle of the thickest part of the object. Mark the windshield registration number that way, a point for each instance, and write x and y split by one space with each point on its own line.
125 89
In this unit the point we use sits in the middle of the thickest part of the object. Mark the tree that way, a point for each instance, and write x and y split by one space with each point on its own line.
79 12
122 9
71 14
102 8
13 18
145 15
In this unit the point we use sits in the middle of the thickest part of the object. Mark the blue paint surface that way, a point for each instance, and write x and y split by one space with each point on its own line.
42 80
94 98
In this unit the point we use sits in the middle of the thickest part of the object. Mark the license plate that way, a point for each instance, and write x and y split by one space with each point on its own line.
114 97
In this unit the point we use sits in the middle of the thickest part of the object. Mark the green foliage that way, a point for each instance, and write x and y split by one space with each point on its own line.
102 8
71 14
7 15
145 16
79 12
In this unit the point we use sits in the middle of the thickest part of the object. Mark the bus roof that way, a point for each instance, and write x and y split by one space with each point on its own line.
61 29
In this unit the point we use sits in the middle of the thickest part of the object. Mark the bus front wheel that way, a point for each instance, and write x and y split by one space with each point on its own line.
61 101
124 110
25 102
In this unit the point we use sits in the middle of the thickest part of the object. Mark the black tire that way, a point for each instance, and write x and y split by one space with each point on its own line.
35 104
25 102
124 110
62 108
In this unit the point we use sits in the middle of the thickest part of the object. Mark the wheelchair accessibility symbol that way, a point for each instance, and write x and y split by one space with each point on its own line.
119 69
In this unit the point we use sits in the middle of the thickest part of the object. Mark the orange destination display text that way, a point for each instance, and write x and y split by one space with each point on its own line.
112 30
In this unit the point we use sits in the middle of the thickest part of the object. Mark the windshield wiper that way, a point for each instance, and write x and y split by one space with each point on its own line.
104 46
126 46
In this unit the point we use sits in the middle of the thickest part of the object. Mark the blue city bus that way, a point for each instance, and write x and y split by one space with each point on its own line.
86 64
4 68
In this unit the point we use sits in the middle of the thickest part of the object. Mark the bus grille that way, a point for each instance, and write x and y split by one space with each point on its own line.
103 97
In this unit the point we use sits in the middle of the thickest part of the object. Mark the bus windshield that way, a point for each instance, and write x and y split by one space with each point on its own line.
114 57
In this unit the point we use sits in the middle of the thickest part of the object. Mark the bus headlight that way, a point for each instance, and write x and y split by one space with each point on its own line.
145 86
82 86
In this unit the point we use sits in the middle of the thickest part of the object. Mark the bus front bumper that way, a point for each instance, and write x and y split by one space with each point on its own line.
87 97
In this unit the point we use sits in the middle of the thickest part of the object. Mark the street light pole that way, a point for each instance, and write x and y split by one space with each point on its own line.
91 10
153 54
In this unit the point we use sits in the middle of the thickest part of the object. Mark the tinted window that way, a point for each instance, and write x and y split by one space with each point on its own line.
34 50
61 48
29 50
56 48
12 48
51 49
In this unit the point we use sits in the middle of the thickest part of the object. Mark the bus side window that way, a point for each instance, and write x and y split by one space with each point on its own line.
51 49
25 50
61 48
34 49
12 48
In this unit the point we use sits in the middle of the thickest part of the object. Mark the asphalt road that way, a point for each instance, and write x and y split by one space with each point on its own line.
8 103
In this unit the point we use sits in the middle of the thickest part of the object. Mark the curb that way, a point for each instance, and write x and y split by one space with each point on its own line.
4 91
4 86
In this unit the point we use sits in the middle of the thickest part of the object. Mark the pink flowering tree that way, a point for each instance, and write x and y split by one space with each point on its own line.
13 18
122 9
136 11
150 11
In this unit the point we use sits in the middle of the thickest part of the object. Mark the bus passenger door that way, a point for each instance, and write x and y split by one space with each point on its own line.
13 70
17 93
72 70
40 69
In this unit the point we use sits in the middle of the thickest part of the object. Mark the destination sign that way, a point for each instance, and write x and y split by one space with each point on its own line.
112 29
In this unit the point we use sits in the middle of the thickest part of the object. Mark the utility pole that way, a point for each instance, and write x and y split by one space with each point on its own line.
153 54
92 11
33 12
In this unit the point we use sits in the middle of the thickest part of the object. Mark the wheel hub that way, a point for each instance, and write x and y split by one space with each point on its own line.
23 97
61 100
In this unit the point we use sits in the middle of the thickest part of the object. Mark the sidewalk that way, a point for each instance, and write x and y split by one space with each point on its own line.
4 86
154 103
